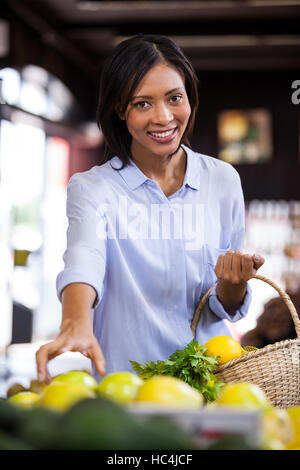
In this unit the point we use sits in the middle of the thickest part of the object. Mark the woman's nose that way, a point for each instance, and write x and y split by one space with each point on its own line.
162 114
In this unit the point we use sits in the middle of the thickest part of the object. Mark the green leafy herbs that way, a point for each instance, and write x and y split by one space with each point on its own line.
192 365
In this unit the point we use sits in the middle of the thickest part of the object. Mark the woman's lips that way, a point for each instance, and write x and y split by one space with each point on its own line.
164 139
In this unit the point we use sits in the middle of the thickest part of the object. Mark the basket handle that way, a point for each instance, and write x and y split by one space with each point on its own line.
281 292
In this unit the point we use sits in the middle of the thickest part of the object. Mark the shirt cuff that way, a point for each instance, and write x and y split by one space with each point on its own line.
67 277
218 309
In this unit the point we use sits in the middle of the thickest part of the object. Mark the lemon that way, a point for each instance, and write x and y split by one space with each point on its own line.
224 347
120 386
243 394
169 391
24 399
60 396
294 414
77 376
277 426
272 444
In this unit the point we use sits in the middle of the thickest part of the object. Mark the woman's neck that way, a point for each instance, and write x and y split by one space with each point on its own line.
162 168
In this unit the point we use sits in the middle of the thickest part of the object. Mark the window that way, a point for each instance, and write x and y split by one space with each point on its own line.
36 91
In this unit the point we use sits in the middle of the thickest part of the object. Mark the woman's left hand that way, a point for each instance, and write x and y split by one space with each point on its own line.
233 270
236 267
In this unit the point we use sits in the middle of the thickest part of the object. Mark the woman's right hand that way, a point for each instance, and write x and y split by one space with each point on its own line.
75 337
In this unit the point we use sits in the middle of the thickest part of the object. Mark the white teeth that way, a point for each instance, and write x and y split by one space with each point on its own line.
162 134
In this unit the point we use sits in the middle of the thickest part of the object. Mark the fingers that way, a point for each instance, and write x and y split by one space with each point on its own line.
219 268
247 267
236 267
96 355
258 261
227 262
89 349
43 355
50 351
228 266
59 346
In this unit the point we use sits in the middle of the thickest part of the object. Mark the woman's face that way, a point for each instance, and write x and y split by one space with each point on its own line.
158 113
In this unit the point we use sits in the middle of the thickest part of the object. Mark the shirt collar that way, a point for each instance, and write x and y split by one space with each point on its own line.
192 176
131 173
134 177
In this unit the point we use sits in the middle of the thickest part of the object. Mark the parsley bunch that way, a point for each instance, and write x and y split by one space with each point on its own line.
192 365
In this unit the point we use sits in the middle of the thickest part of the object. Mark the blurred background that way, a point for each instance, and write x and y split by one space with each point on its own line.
247 56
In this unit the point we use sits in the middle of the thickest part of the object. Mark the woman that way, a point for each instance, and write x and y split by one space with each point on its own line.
153 227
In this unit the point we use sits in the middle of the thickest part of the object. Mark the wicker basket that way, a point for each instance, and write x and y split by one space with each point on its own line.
275 367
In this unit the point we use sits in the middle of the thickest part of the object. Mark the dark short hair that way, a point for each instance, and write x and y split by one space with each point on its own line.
123 70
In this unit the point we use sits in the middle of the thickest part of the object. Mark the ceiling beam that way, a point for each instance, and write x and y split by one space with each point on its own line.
104 11
50 36
223 41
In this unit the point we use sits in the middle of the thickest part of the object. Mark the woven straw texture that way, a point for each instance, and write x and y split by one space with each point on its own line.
275 368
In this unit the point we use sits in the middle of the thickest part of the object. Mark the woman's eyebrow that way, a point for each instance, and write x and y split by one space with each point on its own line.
149 97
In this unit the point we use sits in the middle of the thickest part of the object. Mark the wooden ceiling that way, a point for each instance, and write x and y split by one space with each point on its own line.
216 34
259 40
72 38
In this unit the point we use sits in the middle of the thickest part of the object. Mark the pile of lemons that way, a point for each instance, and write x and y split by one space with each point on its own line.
63 391
124 388
280 428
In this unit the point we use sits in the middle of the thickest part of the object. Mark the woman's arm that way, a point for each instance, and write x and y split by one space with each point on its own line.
80 284
233 269
76 333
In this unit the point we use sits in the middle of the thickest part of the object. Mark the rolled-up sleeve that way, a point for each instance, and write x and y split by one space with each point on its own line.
85 254
236 244
218 309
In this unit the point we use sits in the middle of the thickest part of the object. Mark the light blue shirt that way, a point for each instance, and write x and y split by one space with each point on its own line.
149 257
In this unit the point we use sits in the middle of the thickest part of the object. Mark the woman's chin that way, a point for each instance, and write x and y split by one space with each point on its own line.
166 149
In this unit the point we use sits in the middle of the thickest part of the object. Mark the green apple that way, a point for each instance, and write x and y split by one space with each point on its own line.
78 377
244 394
60 396
121 387
24 399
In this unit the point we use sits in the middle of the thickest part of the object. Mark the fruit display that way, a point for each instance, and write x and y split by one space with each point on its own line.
120 386
294 442
277 429
191 365
24 399
80 377
60 396
170 392
96 423
147 408
244 394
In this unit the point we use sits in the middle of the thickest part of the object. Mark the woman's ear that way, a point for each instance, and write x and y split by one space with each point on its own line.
119 112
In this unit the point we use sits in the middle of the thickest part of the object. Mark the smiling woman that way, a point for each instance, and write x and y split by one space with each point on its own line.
144 285
157 125
148 83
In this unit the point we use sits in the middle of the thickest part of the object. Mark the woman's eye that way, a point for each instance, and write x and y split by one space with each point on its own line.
145 104
176 98
141 104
